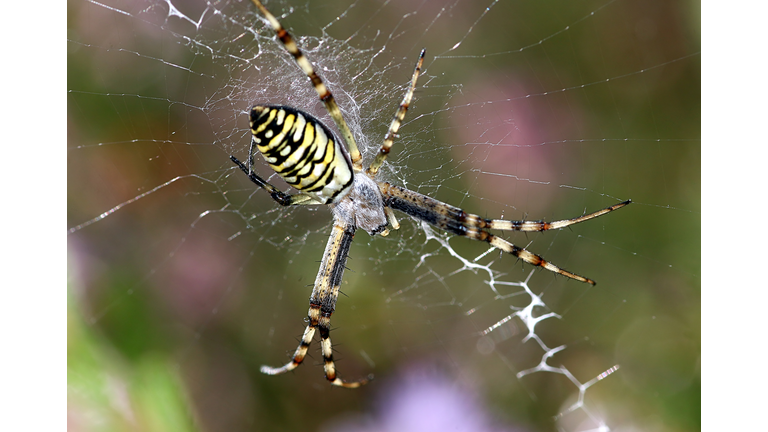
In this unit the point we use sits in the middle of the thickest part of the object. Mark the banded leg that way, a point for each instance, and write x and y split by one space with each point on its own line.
322 303
457 221
325 95
389 138
505 225
301 351
530 258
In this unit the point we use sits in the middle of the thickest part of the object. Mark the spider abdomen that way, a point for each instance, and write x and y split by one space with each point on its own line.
302 150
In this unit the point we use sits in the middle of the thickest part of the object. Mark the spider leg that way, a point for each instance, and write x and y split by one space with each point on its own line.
325 95
322 303
457 221
389 138
506 225
530 258
299 355
282 198
391 218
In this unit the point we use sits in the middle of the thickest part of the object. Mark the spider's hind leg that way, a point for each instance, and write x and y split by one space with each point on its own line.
325 95
389 138
282 198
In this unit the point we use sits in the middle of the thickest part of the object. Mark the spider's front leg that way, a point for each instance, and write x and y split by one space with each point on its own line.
458 222
322 303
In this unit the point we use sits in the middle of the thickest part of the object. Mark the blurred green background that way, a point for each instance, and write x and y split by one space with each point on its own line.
537 110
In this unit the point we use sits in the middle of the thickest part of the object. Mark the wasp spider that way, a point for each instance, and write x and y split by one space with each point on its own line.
312 159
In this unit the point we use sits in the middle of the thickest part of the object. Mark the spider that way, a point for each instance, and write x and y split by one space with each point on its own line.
310 157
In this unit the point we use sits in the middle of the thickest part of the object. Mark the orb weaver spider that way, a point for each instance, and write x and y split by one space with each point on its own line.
309 157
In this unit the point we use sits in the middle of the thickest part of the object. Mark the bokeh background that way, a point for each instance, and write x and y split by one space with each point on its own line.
527 110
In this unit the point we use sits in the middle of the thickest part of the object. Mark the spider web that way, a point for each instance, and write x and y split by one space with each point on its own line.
186 278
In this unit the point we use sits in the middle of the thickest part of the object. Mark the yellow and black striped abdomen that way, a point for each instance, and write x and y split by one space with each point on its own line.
302 150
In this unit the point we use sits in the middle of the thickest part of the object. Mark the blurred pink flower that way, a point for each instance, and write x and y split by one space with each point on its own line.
423 400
